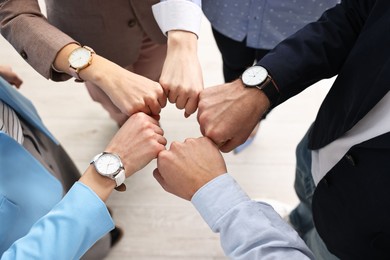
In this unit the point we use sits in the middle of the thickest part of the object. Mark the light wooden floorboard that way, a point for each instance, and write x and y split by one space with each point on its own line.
158 225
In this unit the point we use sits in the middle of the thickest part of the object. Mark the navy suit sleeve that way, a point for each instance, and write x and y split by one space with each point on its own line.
318 50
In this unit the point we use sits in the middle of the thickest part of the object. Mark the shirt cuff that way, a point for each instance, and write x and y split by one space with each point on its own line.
217 197
178 15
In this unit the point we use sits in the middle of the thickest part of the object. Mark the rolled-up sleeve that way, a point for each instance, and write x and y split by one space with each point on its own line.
183 15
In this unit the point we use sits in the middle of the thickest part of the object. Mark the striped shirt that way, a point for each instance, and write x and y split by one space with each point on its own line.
9 123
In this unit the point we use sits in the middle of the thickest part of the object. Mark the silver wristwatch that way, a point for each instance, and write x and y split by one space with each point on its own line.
110 165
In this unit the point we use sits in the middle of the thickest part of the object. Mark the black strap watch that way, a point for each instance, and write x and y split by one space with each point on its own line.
258 77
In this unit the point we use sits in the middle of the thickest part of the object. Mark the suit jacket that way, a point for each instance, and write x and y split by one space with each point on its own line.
114 29
28 191
351 40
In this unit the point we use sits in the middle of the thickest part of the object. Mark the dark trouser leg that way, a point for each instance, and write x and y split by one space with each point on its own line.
301 217
236 56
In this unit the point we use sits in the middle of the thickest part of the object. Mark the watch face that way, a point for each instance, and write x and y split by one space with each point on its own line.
108 164
254 76
79 58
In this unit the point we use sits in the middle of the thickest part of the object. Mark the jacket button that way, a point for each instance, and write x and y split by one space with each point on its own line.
23 54
350 159
325 181
132 23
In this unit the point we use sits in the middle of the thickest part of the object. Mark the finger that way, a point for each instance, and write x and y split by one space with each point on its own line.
181 102
16 81
162 100
191 106
162 140
200 122
156 117
165 86
200 113
154 107
157 175
158 130
228 146
202 129
221 144
144 109
172 97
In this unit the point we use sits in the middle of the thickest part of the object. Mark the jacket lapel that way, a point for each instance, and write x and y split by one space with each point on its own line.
23 107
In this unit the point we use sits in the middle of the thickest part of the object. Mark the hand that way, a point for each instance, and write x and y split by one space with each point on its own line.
138 142
188 166
10 76
130 92
181 76
228 113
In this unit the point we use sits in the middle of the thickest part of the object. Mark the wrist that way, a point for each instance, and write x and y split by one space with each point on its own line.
257 99
102 73
258 77
101 185
61 62
182 40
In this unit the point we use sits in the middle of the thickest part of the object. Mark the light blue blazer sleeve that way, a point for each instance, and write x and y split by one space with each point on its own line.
248 229
67 231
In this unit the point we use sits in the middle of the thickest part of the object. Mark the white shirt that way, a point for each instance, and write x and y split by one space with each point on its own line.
374 123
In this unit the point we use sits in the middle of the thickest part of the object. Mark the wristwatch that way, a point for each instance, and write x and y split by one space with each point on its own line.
79 59
110 165
258 77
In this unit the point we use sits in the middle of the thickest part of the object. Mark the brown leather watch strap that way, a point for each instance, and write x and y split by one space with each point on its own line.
270 89
121 187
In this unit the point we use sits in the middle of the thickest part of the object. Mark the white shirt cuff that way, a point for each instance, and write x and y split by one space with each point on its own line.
178 15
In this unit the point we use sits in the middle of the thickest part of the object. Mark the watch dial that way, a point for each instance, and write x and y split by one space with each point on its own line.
79 58
254 76
108 164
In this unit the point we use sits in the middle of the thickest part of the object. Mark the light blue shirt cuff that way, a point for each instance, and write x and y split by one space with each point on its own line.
178 15
217 197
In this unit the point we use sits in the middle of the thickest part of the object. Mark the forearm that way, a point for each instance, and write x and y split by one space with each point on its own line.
317 51
101 185
183 40
96 72
248 229
38 42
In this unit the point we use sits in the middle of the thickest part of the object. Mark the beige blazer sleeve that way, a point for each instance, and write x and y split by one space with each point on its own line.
29 32
114 29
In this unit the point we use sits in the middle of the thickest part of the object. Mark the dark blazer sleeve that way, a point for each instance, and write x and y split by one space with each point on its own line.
318 50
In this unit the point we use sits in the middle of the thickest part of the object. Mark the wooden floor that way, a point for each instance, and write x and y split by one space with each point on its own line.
158 225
